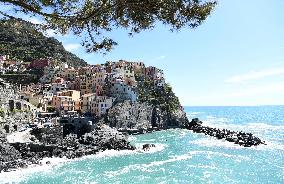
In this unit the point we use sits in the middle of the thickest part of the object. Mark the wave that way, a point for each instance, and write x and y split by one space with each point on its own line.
148 140
158 147
145 167
132 138
22 174
264 126
152 166
213 142
193 113
117 153
258 128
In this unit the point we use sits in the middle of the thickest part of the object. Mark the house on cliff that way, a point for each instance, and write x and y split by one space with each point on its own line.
66 101
86 102
101 104
122 92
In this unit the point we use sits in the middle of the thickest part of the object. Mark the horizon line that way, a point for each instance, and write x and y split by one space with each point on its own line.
228 105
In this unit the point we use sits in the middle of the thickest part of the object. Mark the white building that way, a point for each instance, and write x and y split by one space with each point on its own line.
56 87
101 104
47 95
122 92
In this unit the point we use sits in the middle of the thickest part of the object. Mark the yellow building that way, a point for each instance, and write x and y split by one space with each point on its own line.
86 102
67 101
69 74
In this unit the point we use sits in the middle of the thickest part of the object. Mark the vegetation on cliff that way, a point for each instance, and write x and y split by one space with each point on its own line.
162 97
22 41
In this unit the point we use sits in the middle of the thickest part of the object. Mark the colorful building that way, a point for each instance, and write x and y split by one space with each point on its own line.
86 102
40 63
67 101
101 104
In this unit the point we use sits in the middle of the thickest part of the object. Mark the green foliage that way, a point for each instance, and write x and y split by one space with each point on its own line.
39 105
93 19
22 41
162 97
2 112
50 109
23 79
17 111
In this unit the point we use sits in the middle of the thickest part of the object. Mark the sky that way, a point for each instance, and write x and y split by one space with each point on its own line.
236 57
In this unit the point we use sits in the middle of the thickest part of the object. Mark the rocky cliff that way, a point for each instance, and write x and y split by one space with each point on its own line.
157 106
144 116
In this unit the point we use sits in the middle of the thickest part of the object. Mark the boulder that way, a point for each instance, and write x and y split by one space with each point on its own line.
146 147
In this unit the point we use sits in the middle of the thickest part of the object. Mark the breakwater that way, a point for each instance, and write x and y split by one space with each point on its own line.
241 138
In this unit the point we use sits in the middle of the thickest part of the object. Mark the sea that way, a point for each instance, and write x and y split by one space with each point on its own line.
180 156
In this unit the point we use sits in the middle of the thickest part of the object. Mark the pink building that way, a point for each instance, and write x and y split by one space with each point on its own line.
40 63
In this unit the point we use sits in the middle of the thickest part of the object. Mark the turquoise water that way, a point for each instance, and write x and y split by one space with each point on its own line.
182 156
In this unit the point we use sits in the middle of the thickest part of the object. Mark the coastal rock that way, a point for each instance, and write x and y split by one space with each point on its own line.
146 147
9 157
142 117
2 137
241 138
50 143
9 153
105 137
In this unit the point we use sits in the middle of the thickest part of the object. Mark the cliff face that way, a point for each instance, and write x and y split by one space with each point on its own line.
144 116
157 106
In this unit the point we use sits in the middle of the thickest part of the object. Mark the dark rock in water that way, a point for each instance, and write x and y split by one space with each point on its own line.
104 137
241 138
146 147
194 122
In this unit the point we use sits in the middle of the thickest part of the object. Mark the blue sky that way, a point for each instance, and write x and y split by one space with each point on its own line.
235 58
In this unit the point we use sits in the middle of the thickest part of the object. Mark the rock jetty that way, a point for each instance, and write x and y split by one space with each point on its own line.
240 138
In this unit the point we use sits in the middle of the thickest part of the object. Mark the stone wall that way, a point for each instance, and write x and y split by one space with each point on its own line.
13 117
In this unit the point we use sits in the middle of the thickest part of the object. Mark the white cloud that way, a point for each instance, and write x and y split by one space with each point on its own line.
156 59
266 94
159 58
50 33
269 89
34 20
256 75
72 46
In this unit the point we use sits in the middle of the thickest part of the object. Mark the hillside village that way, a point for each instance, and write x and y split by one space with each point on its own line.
71 112
89 90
